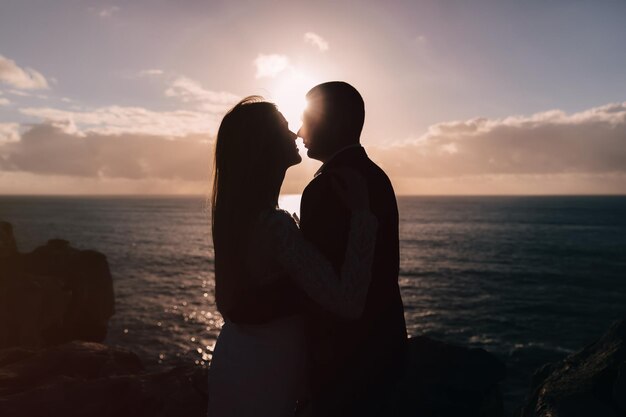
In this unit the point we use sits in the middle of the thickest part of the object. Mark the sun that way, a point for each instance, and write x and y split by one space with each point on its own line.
289 95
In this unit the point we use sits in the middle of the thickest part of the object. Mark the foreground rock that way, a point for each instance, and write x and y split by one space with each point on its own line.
57 294
90 379
446 380
591 382
52 295
8 246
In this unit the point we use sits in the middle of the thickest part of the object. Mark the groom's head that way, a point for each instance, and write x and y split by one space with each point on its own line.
332 120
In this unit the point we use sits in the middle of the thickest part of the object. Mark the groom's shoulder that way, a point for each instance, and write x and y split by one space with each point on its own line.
317 182
376 175
317 187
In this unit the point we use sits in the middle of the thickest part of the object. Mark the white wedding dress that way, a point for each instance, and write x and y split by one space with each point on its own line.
260 370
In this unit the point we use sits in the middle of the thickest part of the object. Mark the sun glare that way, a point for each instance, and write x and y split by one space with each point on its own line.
289 96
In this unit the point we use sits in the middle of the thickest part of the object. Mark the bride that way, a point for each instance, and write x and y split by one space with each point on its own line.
266 273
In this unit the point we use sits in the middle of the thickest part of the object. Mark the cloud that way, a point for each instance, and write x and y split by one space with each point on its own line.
117 145
4 101
316 40
117 120
20 93
9 132
190 91
48 149
151 72
270 65
22 78
108 11
549 152
591 142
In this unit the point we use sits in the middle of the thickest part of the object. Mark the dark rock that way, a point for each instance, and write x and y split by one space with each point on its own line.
447 380
90 379
8 247
619 388
27 369
15 354
53 295
57 294
30 307
590 382
81 378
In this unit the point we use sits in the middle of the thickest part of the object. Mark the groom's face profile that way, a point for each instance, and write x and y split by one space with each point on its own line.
313 131
332 120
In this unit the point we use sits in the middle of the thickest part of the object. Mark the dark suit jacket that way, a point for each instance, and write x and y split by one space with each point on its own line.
354 358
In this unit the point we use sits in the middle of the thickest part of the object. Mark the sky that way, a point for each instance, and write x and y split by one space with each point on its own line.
461 97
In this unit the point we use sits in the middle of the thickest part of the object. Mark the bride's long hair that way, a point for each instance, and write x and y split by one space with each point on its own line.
247 175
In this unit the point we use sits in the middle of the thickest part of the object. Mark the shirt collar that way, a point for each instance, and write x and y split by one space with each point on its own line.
321 169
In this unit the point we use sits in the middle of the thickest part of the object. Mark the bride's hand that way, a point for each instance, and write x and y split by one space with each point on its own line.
351 188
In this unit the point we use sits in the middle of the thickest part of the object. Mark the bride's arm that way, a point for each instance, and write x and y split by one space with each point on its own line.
344 295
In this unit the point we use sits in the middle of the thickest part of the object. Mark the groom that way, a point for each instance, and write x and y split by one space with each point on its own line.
354 363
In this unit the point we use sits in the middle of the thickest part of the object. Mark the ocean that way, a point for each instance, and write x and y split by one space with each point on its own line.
530 279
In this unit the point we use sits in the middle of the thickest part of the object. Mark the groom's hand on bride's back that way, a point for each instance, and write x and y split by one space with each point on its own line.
350 187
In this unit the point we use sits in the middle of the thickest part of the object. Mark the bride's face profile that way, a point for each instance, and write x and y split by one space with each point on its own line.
253 149
287 142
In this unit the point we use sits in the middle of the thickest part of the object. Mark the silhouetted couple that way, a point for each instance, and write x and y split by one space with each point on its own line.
313 314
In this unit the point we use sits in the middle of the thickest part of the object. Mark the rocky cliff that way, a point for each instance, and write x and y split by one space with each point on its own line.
590 382
53 294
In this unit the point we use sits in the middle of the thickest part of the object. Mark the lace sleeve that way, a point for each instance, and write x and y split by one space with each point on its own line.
344 295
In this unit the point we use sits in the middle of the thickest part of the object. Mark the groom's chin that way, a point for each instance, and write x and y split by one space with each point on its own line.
311 153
